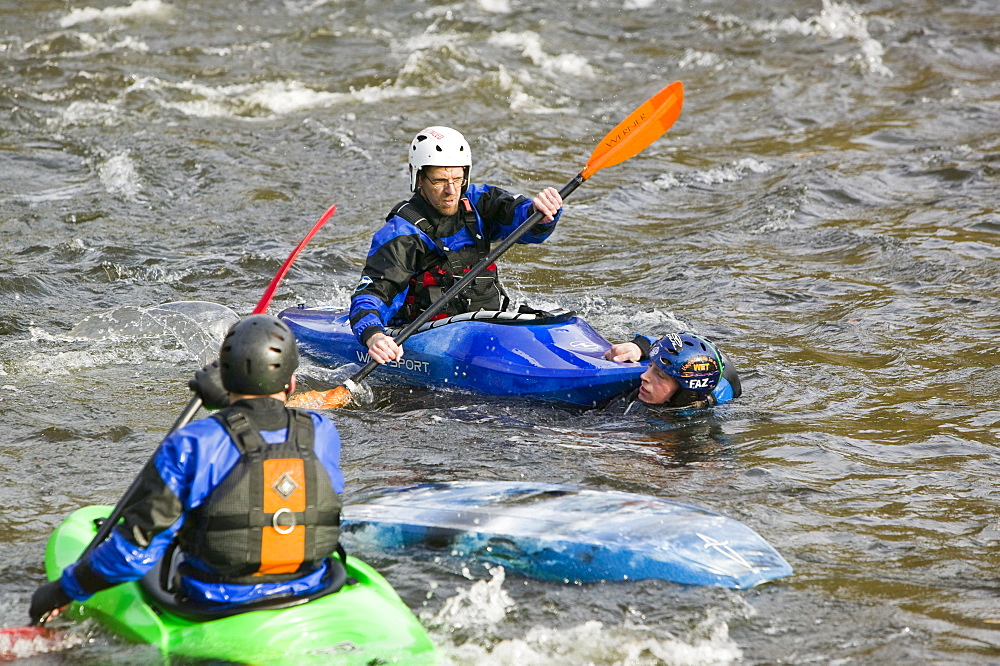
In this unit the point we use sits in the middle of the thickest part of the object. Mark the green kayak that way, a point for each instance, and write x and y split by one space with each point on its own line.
364 622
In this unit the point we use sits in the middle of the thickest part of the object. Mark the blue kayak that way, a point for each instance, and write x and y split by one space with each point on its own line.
564 533
557 357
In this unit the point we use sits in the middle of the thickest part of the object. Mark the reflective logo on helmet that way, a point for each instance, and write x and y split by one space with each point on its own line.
434 133
699 366
675 341
365 281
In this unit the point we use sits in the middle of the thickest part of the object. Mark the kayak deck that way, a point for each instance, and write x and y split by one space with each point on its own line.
555 358
365 622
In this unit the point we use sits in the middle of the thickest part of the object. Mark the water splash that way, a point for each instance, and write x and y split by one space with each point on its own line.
494 6
592 642
836 21
119 176
727 173
484 604
198 325
15 644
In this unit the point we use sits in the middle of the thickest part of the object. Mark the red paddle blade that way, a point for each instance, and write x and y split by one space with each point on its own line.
265 300
23 642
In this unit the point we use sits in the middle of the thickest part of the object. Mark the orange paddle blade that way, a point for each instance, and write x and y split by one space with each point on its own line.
336 397
643 126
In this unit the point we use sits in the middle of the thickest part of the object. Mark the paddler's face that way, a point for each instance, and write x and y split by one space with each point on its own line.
657 386
442 187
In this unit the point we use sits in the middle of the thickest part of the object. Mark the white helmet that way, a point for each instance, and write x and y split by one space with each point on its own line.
439 146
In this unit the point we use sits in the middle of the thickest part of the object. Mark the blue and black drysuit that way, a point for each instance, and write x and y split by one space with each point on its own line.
418 254
188 466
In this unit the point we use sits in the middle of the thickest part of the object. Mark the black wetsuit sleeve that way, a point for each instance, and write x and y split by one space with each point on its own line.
385 277
152 509
496 207
732 375
643 343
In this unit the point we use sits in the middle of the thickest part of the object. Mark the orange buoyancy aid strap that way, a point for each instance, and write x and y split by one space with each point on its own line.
283 543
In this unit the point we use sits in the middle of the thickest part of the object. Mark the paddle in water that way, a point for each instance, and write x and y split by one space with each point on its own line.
630 137
18 642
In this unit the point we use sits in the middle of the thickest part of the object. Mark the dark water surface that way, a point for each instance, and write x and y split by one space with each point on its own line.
825 208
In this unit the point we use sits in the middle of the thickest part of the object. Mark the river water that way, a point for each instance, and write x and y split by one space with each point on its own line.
824 208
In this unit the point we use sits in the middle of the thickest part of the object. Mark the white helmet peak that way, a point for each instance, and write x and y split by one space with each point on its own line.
439 146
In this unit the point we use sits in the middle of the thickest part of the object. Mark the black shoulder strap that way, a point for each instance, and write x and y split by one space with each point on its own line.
244 435
472 225
409 212
302 432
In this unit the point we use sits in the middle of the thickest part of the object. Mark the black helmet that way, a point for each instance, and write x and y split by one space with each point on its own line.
258 356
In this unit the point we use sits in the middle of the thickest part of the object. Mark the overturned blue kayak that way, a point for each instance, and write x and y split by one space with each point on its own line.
564 533
557 358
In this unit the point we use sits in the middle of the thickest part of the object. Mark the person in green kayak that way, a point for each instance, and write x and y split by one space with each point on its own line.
429 241
686 371
250 496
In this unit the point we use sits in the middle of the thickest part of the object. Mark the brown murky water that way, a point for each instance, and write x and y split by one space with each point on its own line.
824 208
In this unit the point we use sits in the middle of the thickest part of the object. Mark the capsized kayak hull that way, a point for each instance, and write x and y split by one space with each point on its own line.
363 623
556 358
565 533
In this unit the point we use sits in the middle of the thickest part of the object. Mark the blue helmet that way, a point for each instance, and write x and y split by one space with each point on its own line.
695 362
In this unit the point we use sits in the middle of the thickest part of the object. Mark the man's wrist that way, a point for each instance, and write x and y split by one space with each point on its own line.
367 334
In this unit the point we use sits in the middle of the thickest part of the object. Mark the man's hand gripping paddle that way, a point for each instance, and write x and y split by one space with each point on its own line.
630 137
32 639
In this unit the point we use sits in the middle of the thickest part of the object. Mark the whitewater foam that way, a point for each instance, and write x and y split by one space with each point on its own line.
139 8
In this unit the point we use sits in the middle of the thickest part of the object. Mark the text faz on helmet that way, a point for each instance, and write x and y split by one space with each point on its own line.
439 146
258 356
691 359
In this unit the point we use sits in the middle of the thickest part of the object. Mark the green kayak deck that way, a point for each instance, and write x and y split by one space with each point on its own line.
365 622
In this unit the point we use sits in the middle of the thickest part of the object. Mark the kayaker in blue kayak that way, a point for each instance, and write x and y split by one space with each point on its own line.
686 371
443 230
250 495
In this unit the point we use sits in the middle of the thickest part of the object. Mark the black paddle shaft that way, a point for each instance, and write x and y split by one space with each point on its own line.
108 524
471 275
